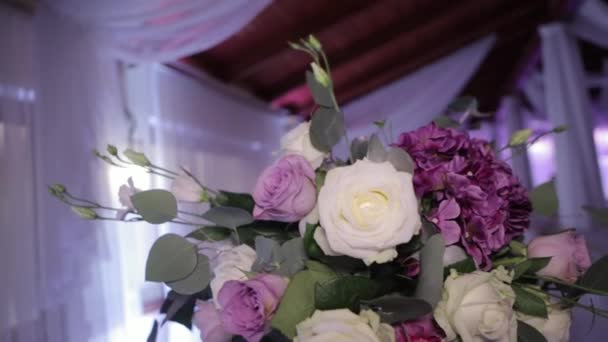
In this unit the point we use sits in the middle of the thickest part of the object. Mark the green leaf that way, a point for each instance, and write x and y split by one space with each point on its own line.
85 213
446 122
326 128
155 206
229 217
560 129
297 304
544 199
401 160
599 215
430 279
237 200
396 308
595 277
286 259
518 248
530 266
529 303
137 158
527 333
321 95
210 233
380 123
345 292
320 75
520 137
196 281
310 245
294 256
268 254
358 148
112 150
463 266
320 179
171 258
375 150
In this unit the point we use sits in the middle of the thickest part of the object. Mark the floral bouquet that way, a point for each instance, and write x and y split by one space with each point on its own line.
414 239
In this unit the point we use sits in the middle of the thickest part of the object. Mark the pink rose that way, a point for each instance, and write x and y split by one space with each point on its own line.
248 306
568 252
423 329
207 320
286 190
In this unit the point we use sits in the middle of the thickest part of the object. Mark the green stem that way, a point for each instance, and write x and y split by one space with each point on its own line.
189 214
163 169
561 282
213 192
599 312
509 261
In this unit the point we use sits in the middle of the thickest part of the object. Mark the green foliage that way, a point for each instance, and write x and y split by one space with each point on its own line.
314 42
112 150
544 199
375 150
463 104
530 266
320 179
237 200
396 308
380 123
529 303
345 292
527 333
599 215
595 277
297 304
520 137
171 258
310 245
137 158
229 217
358 148
320 75
326 128
286 259
85 213
446 122
321 94
463 266
155 206
196 281
430 279
401 160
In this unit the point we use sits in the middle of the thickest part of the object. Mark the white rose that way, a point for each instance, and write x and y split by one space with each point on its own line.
343 325
231 264
478 307
366 209
187 189
555 328
319 236
297 141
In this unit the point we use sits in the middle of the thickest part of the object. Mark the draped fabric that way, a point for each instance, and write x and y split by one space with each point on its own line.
567 103
161 30
416 99
591 22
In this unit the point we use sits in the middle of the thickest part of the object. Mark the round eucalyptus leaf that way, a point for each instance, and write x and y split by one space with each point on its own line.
155 206
229 217
197 281
171 258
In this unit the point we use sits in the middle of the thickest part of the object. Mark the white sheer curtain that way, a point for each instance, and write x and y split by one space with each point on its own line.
416 99
161 30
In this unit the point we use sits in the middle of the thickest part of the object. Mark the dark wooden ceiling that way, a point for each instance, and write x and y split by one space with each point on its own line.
371 43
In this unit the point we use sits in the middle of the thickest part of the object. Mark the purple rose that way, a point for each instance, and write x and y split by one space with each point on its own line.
423 329
568 252
286 190
207 320
248 306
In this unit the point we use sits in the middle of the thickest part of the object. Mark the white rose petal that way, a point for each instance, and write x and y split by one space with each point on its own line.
297 141
453 254
555 328
186 189
477 307
366 209
343 325
231 264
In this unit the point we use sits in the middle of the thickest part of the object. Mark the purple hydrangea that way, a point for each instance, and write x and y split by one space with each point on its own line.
475 200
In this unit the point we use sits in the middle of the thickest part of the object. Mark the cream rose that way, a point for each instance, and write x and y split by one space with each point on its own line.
231 264
297 141
365 210
478 307
555 328
343 325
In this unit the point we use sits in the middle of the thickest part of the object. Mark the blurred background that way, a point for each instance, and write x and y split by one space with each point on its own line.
212 85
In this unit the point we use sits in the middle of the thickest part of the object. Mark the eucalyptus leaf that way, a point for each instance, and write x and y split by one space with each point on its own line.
310 245
358 147
237 200
599 215
544 199
463 266
229 217
137 158
530 266
326 128
171 258
430 279
294 256
296 304
396 308
446 122
196 281
178 308
320 75
375 150
401 160
268 254
155 206
527 333
345 292
529 303
520 137
595 277
210 233
321 94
